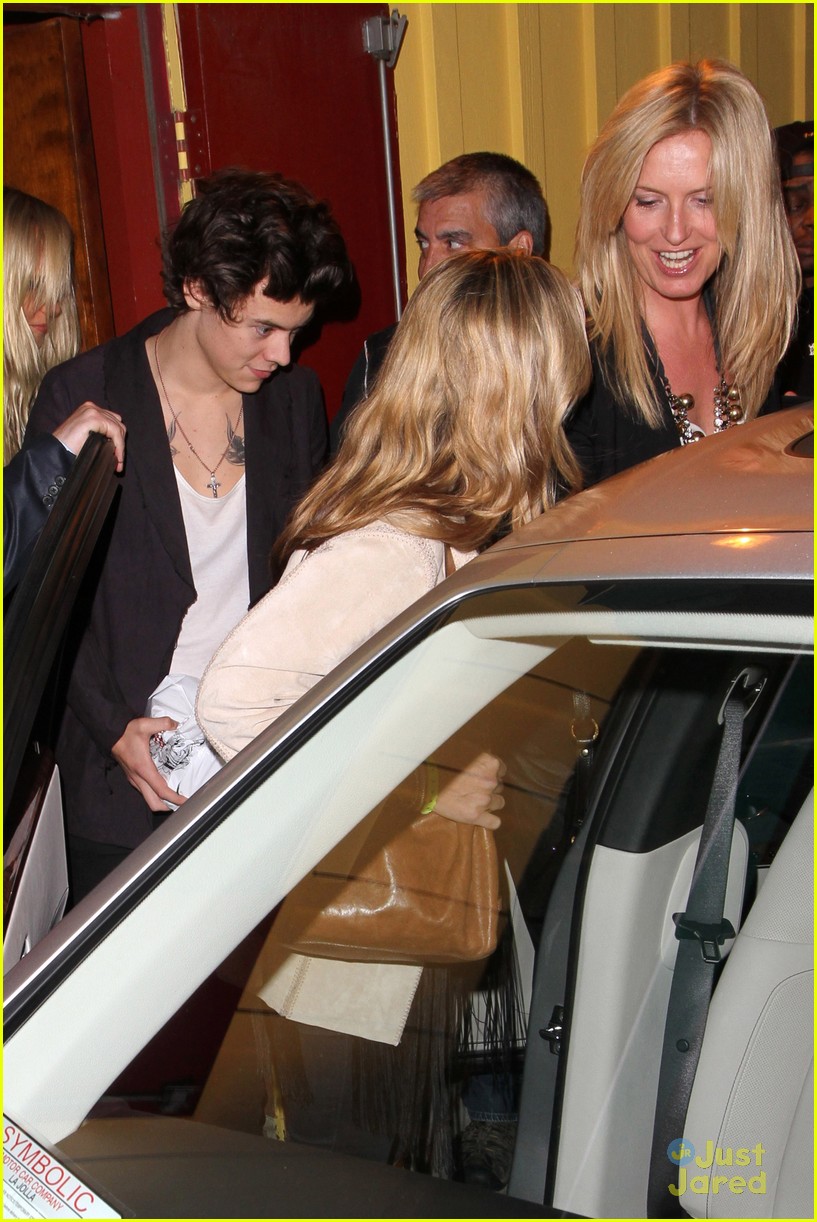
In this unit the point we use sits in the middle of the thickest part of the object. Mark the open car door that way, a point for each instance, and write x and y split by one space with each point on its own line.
35 877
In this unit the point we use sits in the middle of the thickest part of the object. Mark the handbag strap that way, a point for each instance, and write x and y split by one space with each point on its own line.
584 730
450 566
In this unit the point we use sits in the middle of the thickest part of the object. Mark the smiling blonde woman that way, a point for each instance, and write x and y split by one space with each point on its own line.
686 265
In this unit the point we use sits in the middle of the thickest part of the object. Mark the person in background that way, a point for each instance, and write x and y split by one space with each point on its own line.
224 435
40 329
40 321
463 430
795 146
478 201
686 265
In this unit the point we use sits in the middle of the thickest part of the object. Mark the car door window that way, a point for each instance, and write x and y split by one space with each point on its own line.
555 689
241 1064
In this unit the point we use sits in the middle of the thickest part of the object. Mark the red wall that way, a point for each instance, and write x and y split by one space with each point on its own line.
122 144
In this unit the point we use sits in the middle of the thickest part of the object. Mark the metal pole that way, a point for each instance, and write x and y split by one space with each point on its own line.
382 37
395 251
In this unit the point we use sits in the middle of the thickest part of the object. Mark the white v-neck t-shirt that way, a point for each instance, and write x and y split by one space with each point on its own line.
216 529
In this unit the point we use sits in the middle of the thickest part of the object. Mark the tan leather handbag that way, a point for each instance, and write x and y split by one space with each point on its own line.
422 889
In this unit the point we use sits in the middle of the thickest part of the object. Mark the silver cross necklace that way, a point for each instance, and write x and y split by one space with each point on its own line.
213 484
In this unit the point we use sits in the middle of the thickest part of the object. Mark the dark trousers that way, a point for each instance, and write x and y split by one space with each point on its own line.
90 861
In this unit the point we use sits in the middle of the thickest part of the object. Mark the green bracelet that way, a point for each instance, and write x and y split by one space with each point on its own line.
432 789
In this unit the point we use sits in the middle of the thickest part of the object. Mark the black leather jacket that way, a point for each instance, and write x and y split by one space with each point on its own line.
31 484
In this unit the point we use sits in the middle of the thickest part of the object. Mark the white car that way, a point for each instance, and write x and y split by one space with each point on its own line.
641 658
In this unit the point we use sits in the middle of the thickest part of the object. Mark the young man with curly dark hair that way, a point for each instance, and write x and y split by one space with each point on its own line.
224 435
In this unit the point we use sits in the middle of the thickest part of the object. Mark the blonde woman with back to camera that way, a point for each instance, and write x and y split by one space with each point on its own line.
687 268
462 432
40 330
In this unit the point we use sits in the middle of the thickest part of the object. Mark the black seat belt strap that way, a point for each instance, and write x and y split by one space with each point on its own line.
701 931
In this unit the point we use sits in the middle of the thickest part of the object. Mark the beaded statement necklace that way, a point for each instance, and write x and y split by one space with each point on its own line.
727 411
213 484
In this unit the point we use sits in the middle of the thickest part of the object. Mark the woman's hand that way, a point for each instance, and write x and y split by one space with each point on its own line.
132 754
473 795
73 432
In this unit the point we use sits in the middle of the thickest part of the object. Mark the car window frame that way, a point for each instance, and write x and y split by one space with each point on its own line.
34 981
41 604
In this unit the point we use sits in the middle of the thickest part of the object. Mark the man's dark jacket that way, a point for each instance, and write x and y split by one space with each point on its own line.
140 584
360 381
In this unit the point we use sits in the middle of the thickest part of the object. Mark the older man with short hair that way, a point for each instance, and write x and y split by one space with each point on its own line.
477 201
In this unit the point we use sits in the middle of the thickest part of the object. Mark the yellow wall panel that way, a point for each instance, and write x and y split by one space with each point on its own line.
566 138
710 32
744 39
638 45
775 39
524 47
481 32
451 102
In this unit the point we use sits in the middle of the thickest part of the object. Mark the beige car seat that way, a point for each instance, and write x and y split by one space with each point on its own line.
752 1102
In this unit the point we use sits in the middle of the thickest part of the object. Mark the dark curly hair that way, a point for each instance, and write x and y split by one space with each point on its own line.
245 228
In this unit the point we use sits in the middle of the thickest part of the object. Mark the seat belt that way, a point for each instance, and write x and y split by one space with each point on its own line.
701 931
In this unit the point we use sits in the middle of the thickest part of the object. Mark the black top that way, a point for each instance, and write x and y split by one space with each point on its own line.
359 384
608 436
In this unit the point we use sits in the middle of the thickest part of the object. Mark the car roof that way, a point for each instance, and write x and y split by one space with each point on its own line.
758 477
738 504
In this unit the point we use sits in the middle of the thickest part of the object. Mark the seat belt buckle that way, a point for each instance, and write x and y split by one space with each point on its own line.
710 935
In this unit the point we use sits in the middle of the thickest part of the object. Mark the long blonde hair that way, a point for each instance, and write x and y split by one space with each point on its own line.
37 268
464 426
757 281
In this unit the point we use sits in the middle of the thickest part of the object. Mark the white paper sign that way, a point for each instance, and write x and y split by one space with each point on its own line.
42 886
38 1185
